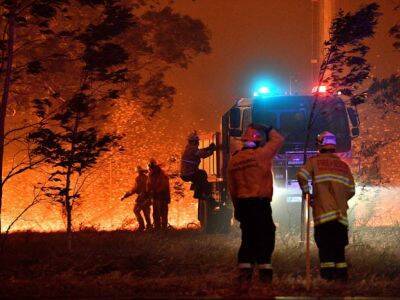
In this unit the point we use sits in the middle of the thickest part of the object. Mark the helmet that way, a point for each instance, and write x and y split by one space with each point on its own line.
326 140
152 163
253 135
140 169
193 137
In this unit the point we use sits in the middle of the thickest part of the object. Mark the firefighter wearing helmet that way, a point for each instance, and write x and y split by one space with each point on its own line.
333 186
250 185
143 200
190 172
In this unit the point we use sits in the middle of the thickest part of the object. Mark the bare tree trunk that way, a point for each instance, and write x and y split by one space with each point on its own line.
69 223
68 209
4 99
68 204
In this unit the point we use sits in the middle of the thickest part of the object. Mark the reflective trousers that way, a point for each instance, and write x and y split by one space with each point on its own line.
258 232
331 239
160 214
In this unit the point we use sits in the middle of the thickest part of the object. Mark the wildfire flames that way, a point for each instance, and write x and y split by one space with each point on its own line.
100 206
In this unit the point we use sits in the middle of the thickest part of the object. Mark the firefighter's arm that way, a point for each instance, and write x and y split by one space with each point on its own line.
206 152
128 194
275 142
304 174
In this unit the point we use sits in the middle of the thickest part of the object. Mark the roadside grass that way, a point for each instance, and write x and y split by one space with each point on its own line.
183 263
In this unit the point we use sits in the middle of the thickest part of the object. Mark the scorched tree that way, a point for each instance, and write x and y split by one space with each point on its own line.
112 51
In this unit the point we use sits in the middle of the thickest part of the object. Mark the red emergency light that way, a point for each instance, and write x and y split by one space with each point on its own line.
319 89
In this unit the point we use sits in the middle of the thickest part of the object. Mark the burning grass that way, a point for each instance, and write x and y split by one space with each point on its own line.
181 263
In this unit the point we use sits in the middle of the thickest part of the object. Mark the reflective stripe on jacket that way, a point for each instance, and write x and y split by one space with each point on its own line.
333 186
249 170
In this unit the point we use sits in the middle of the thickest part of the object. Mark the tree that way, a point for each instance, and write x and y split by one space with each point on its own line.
344 67
383 94
22 25
71 51
394 31
71 145
112 53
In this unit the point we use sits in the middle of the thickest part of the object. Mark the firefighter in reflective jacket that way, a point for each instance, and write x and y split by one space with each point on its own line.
250 187
190 172
333 186
158 187
143 201
190 162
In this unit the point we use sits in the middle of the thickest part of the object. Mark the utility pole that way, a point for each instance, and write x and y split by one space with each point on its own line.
323 12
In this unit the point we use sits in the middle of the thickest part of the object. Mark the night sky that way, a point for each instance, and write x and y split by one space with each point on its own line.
256 39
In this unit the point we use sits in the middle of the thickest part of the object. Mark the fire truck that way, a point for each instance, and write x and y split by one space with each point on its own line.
289 114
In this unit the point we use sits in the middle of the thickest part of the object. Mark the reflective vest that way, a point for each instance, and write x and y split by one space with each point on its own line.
249 170
333 185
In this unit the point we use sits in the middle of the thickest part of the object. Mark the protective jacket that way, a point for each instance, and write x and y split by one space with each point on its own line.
158 185
191 158
333 186
249 170
140 188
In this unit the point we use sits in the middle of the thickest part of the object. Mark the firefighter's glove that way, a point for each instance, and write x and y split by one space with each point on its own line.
212 147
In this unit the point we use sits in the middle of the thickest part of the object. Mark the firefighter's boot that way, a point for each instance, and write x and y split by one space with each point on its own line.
265 275
341 272
244 280
328 273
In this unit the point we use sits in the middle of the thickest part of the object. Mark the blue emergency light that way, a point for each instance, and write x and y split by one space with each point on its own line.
261 92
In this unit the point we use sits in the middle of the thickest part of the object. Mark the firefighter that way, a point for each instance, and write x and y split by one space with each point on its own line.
158 186
143 201
250 187
190 171
333 186
190 162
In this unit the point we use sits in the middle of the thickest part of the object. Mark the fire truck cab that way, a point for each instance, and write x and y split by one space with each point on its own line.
289 115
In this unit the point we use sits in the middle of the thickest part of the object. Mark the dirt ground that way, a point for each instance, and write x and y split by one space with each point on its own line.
184 263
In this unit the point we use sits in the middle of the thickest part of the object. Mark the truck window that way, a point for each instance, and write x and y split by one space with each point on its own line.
234 118
293 125
246 118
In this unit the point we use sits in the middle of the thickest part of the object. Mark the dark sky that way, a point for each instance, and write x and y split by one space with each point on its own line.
253 39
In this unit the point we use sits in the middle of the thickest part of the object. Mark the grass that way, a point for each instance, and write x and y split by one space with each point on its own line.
182 263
